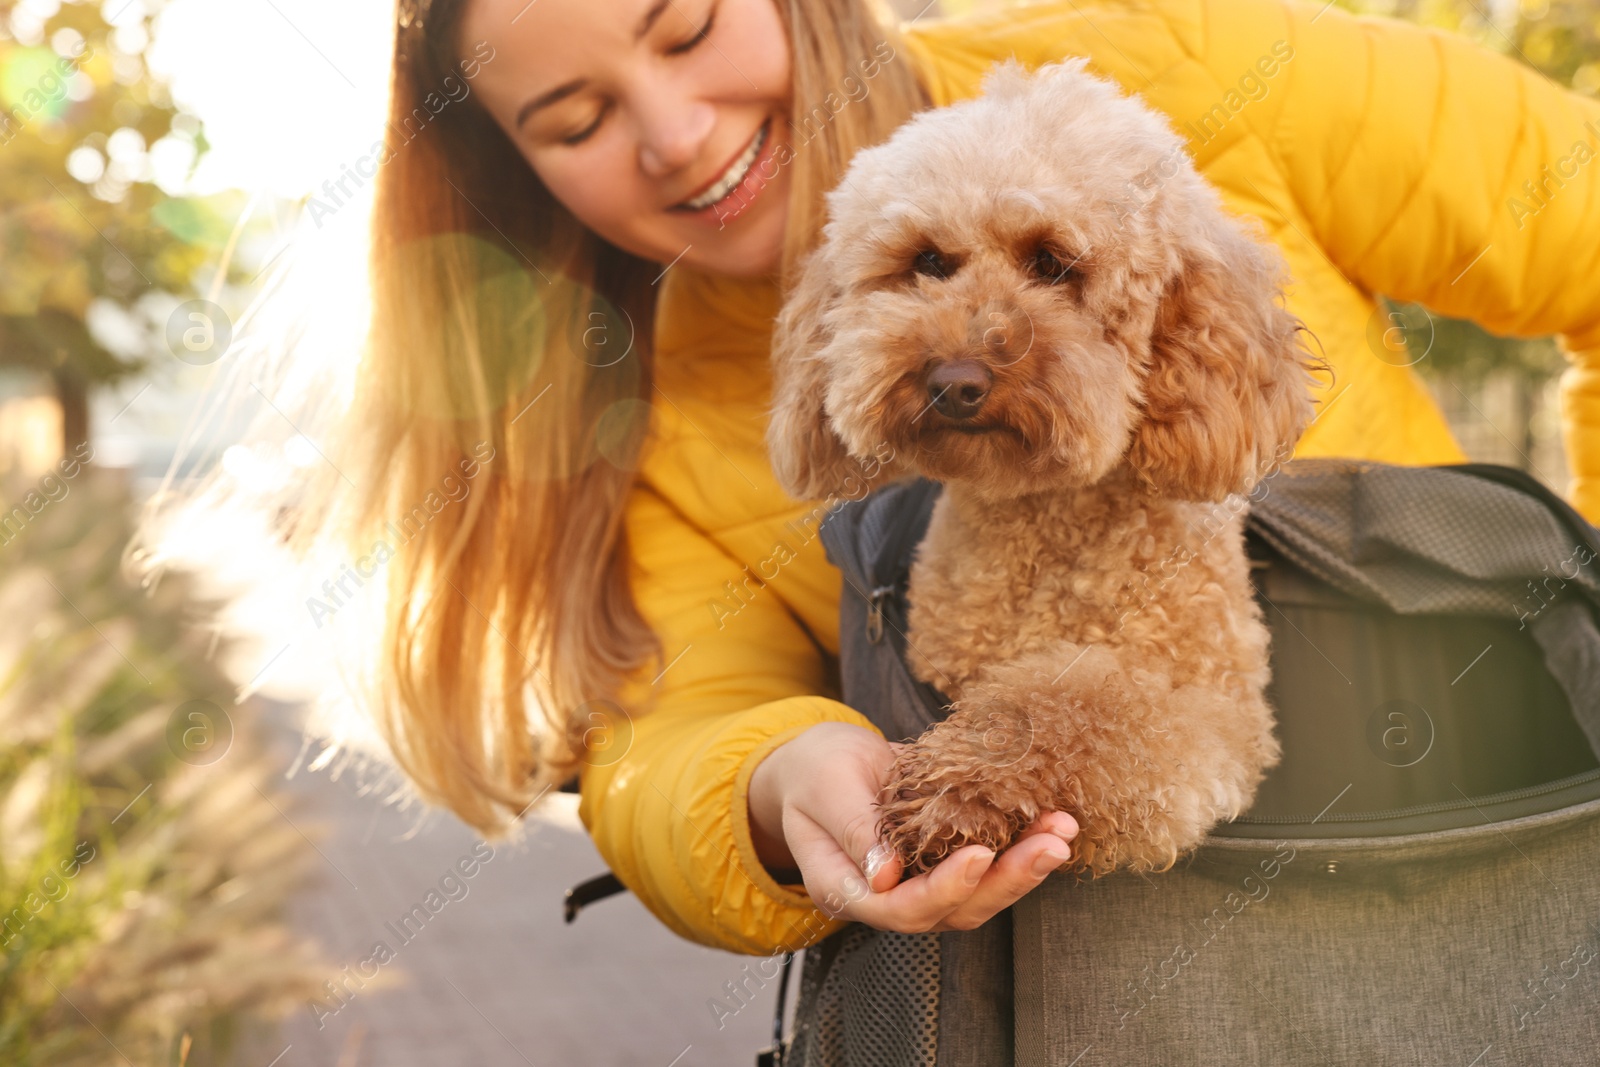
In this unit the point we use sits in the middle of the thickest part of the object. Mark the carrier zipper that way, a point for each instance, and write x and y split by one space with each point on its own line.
1428 809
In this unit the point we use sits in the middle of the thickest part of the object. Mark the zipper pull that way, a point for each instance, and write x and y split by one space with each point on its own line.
875 601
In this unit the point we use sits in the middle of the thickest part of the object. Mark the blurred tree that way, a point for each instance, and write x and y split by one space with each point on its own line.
83 125
1560 38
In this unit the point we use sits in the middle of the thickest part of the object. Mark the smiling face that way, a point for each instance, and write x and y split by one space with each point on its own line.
655 122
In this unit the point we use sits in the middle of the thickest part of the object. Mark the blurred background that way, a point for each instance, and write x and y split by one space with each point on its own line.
184 880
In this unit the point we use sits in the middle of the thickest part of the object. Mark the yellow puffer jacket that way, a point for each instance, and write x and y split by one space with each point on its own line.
1383 157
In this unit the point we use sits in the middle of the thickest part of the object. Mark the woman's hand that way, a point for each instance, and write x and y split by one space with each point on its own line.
813 806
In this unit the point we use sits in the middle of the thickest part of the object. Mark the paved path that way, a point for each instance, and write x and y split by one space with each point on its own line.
495 977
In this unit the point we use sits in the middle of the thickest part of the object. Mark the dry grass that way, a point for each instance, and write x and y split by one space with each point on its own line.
142 893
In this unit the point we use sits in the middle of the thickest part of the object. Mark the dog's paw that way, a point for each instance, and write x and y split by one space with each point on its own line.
926 815
924 830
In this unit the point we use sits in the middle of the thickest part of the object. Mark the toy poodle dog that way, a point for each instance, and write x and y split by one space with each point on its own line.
1034 298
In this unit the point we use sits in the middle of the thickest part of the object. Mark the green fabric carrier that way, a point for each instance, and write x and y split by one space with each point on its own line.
1416 880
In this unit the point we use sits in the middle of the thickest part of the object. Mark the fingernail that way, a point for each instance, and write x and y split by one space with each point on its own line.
876 859
977 866
1070 827
1047 861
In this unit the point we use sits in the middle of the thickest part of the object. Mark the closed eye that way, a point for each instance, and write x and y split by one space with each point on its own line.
700 35
676 50
584 134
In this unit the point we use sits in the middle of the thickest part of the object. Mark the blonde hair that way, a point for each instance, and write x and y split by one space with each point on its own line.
519 592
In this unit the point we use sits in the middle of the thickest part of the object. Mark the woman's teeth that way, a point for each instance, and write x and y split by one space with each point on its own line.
733 175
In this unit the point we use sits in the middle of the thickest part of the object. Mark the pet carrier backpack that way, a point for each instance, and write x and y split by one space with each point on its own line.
1417 881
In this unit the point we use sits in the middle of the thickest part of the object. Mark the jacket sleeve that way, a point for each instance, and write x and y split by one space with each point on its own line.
669 816
1435 171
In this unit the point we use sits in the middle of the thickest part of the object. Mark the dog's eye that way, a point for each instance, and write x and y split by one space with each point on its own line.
931 263
1048 267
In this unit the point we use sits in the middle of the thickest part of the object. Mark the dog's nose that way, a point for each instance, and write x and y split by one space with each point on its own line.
958 387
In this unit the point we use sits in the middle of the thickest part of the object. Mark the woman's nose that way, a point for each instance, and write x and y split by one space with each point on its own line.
672 132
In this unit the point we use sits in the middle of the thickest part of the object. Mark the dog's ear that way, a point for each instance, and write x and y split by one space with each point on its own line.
1227 393
807 456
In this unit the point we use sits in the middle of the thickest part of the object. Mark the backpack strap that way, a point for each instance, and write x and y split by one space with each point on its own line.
873 542
890 560
587 892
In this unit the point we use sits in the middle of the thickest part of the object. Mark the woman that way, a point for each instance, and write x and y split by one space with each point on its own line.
580 267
